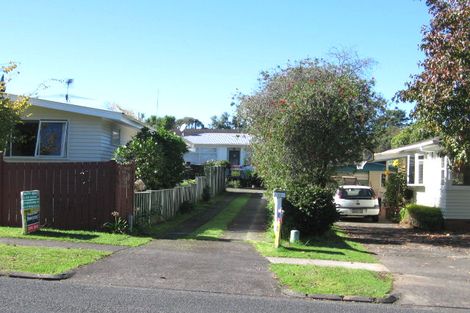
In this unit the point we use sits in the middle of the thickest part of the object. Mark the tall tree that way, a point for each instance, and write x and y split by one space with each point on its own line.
10 110
310 117
167 122
387 126
191 123
222 122
442 90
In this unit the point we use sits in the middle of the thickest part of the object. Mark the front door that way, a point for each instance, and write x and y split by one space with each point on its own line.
234 156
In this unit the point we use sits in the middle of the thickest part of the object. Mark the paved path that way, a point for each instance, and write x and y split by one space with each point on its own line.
429 269
250 224
195 222
60 244
225 266
328 263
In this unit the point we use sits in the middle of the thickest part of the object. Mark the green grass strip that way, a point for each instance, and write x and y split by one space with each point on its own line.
334 245
216 227
309 279
163 228
76 236
42 260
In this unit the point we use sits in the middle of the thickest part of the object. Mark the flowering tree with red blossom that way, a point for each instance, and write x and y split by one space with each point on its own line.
310 117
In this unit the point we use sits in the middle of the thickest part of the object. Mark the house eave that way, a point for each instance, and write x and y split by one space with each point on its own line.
78 109
430 145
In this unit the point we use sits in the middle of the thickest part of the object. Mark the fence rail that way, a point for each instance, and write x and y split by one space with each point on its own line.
72 195
165 203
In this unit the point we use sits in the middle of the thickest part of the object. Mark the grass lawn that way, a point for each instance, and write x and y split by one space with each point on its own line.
334 245
162 228
309 279
41 260
76 236
215 228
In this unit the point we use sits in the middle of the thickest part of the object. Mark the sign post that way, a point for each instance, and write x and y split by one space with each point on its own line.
30 211
278 195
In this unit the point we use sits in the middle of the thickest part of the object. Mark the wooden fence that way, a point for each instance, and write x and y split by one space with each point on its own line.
73 195
165 203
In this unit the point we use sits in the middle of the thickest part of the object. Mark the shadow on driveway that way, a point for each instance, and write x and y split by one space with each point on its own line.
429 269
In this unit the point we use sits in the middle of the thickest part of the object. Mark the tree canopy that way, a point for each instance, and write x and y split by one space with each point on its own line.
226 121
10 110
167 122
191 123
310 117
441 91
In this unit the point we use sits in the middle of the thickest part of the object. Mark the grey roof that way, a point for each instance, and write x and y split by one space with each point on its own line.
193 131
222 139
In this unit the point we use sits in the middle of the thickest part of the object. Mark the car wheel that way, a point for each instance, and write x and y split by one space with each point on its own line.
375 218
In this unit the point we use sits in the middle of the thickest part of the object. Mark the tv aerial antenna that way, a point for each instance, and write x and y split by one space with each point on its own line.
68 82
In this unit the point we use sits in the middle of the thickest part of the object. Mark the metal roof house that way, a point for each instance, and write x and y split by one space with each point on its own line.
433 181
63 132
217 144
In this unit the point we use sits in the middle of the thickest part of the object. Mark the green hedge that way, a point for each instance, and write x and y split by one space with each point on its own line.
421 216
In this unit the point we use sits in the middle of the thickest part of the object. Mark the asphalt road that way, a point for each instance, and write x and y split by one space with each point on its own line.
33 296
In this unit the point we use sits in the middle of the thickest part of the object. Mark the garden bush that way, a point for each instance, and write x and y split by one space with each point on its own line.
310 210
423 217
158 156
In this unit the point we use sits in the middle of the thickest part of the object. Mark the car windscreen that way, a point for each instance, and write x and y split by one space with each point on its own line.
355 193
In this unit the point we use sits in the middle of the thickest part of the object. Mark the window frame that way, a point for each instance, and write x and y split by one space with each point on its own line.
113 139
418 161
63 150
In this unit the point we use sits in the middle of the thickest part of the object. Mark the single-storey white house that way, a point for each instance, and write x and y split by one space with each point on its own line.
433 181
216 144
63 132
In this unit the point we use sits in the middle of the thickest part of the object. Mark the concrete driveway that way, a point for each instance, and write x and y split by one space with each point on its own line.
429 269
226 266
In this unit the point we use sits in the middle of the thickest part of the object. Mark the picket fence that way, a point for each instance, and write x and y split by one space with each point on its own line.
165 203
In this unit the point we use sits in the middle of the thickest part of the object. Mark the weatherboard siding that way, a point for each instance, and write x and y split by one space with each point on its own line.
457 203
88 137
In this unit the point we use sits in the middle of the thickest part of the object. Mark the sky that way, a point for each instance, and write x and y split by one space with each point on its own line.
188 58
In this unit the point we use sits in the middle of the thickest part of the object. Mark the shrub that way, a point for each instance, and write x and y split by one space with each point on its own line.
234 183
158 157
186 207
423 217
310 209
223 163
187 182
118 226
397 194
206 193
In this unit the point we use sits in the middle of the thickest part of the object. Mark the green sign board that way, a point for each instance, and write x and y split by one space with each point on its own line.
30 210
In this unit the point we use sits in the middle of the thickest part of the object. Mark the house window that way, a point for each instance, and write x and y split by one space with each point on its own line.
420 169
443 171
115 136
411 169
206 154
415 169
38 138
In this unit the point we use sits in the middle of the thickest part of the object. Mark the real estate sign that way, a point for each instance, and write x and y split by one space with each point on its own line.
30 211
